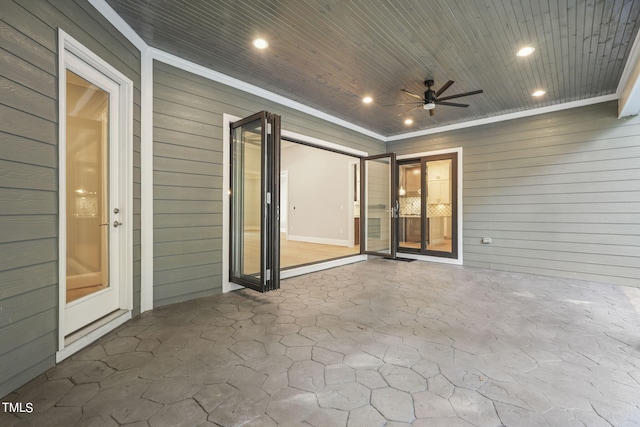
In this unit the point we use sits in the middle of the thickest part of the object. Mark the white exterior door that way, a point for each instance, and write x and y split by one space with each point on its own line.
95 161
92 195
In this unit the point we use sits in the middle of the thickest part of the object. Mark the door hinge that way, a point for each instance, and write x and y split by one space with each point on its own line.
268 198
268 128
268 274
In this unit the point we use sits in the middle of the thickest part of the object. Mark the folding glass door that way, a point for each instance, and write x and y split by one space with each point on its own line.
380 205
254 202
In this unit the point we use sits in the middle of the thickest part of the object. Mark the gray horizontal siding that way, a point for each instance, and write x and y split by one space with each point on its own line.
29 172
198 93
188 167
558 193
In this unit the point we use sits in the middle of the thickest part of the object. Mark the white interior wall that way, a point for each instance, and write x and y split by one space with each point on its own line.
318 196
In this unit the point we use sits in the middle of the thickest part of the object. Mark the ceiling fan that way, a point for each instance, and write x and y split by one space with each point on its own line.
432 98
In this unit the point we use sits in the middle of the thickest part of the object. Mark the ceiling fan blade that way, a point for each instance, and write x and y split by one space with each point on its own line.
452 104
408 111
404 103
460 95
443 88
412 94
432 112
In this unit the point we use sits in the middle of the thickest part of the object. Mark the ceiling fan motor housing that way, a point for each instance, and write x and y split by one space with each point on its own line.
429 96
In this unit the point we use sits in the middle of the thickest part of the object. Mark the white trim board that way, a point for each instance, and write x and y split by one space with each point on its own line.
503 117
146 181
227 119
216 76
116 20
191 67
629 85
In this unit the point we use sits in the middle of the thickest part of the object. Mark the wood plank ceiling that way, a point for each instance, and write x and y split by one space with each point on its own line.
329 54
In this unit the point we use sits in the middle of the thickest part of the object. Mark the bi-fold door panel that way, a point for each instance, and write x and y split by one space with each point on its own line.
380 205
255 202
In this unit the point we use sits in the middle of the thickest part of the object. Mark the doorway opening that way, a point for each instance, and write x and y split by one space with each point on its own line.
319 204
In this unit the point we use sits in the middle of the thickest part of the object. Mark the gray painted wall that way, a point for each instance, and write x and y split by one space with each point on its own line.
187 166
29 173
558 193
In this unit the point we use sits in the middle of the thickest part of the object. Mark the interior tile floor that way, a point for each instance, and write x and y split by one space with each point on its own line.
374 343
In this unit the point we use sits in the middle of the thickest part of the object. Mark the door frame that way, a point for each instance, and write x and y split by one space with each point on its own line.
124 277
459 210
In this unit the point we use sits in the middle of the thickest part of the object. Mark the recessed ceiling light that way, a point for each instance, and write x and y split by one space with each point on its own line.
367 100
539 92
408 122
260 43
526 51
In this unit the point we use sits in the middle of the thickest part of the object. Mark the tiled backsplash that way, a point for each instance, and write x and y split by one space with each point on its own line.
411 206
438 210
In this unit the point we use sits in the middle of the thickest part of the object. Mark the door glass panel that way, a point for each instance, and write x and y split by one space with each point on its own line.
410 205
378 209
87 187
439 182
246 200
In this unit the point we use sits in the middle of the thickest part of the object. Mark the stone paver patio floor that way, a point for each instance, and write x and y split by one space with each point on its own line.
369 344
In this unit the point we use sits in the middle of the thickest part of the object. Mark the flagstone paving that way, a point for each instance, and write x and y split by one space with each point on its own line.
369 344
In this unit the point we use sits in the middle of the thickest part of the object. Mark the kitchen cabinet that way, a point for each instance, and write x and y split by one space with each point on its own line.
438 182
436 230
439 193
412 181
412 229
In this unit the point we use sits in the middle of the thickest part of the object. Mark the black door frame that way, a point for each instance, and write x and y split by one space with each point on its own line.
392 208
453 156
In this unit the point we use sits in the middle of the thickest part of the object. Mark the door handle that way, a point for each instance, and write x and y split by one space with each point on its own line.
117 223
102 225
